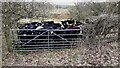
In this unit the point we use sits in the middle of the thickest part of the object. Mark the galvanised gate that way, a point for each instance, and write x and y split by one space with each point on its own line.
45 39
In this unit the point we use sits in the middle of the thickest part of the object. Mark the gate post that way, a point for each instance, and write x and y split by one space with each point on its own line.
10 41
7 38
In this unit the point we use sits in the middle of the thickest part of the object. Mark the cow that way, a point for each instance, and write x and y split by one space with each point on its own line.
72 24
26 35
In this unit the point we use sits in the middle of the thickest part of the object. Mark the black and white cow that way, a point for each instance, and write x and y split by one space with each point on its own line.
72 24
26 35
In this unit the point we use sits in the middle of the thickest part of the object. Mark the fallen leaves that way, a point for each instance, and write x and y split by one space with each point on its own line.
103 55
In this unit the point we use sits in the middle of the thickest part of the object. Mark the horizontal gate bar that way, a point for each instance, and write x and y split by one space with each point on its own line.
47 39
51 42
53 35
43 48
46 44
48 29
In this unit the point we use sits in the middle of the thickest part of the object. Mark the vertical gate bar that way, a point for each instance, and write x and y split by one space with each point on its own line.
48 39
72 43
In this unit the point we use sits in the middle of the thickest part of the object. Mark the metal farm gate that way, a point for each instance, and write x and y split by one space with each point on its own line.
45 39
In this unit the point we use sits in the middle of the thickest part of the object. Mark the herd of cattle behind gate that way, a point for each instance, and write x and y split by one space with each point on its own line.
49 34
